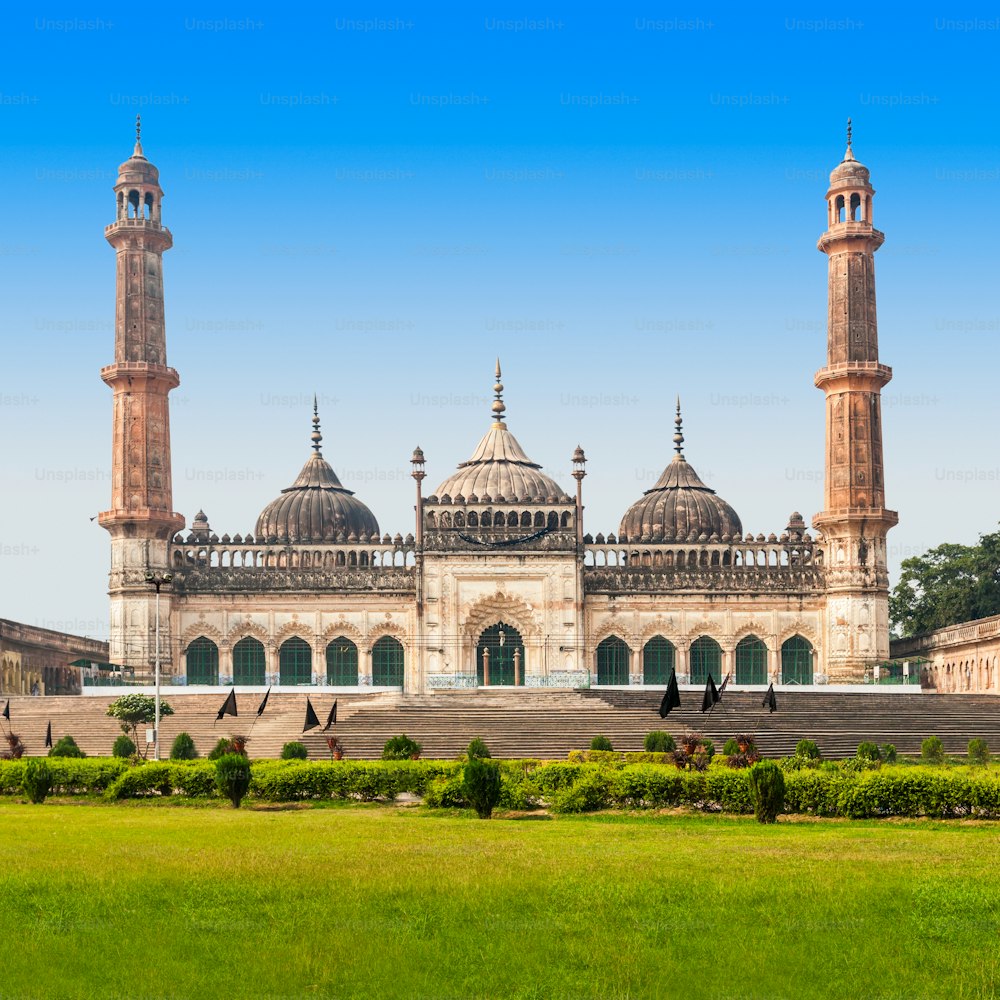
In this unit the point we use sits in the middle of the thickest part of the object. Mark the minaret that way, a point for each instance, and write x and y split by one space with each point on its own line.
855 520
141 520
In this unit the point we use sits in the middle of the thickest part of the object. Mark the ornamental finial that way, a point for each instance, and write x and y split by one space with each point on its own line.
678 435
316 436
498 405
849 155
138 136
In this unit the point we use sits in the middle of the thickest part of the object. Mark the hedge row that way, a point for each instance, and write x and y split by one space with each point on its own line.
562 786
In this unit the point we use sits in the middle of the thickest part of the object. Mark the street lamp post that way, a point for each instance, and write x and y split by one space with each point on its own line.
157 581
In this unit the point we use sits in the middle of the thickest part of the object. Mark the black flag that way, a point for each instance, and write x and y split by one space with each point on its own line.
263 704
770 701
331 719
312 720
228 706
48 735
711 695
672 697
6 710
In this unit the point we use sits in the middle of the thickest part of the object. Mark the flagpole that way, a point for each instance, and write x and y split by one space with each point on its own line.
157 582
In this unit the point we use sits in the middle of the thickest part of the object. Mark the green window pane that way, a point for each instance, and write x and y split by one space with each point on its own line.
658 658
203 662
502 671
705 658
612 661
796 661
387 662
295 662
249 661
751 661
342 662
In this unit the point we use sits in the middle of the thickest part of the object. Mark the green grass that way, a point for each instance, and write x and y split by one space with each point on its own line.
142 900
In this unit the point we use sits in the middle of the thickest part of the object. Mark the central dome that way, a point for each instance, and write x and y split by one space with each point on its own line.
680 507
316 507
500 469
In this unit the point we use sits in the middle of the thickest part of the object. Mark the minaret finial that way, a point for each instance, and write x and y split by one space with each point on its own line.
849 155
316 436
678 435
138 136
498 405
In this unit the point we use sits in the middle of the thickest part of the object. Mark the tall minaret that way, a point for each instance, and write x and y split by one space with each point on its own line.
141 520
855 520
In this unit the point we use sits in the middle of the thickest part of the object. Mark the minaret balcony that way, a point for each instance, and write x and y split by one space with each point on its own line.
850 231
868 376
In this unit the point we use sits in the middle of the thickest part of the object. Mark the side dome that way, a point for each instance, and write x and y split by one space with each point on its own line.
680 507
316 507
499 467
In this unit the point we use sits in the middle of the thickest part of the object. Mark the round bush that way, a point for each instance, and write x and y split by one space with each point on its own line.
889 753
478 750
36 781
659 741
66 747
223 747
601 743
807 749
232 777
979 752
481 785
401 748
731 747
932 750
123 746
767 789
294 751
183 748
868 751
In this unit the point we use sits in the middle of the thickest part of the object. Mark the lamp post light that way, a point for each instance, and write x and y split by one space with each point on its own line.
157 581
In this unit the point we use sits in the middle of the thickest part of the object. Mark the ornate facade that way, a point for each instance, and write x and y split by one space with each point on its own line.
498 583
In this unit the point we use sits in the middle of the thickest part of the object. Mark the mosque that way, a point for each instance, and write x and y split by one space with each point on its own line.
497 582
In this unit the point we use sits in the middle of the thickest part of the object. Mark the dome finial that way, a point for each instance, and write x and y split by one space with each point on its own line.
138 136
849 155
316 436
678 435
498 405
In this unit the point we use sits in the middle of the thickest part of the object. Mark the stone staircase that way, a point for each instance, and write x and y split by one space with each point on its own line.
544 724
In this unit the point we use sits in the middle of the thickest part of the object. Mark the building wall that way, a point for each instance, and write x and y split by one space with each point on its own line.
30 655
963 657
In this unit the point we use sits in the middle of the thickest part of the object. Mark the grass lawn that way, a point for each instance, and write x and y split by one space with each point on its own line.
142 900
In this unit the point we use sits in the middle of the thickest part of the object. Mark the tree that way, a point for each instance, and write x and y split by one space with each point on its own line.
134 710
946 585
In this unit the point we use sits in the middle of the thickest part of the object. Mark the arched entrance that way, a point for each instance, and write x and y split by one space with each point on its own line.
505 647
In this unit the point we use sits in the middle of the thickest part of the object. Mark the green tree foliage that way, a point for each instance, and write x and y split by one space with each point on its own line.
183 748
659 741
868 751
481 784
36 781
807 749
767 788
478 750
123 746
601 743
134 710
948 584
979 752
66 747
232 777
401 748
294 751
932 751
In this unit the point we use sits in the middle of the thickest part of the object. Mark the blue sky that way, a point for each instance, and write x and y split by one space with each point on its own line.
373 205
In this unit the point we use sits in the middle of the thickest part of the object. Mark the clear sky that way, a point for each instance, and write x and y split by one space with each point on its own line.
623 204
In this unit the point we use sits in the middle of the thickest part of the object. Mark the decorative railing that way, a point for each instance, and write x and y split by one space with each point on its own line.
985 628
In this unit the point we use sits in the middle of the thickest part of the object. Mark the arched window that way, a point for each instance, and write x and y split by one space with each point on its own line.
203 662
612 661
295 661
796 661
504 644
657 661
387 662
342 662
751 661
249 661
705 658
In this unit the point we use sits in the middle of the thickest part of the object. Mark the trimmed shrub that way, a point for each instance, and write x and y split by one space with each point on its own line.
232 777
731 747
481 786
601 743
446 793
36 780
592 791
478 750
294 751
401 748
767 790
153 778
868 751
123 746
932 750
979 752
889 753
659 741
223 747
807 749
183 748
66 747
